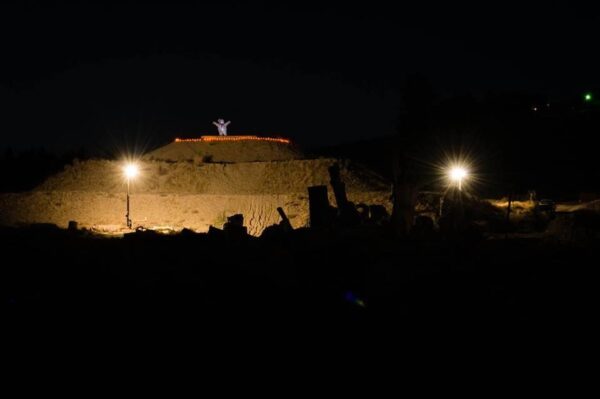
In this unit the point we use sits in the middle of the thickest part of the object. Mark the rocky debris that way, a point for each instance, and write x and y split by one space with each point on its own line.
347 214
235 226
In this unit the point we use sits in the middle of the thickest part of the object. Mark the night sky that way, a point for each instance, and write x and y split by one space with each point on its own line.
97 74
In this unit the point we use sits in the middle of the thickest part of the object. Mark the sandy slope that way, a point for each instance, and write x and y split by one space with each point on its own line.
583 206
178 188
244 151
285 177
106 211
189 193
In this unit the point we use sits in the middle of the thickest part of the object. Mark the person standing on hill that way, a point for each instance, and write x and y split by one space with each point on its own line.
221 126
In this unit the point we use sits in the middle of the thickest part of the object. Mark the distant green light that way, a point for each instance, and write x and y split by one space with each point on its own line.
588 97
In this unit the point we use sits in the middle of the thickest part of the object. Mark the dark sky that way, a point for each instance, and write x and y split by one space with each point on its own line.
95 74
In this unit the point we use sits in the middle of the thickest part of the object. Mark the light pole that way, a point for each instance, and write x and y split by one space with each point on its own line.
130 171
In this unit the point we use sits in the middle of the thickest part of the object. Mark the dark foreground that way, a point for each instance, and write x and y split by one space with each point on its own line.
354 278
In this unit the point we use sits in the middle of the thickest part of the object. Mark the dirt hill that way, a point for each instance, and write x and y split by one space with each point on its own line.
179 187
230 149
285 177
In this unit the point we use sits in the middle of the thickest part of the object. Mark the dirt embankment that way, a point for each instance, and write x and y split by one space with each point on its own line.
241 151
106 211
275 177
178 195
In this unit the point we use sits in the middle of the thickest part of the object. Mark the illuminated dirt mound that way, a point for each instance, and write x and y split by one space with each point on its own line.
189 194
227 149
192 184
285 177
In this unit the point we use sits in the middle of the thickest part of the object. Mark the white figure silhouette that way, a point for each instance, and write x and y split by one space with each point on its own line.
221 126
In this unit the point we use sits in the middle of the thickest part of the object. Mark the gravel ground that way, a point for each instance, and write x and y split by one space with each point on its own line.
106 211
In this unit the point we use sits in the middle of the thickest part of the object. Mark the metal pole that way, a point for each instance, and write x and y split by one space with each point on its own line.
127 215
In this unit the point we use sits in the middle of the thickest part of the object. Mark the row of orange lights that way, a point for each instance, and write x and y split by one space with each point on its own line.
233 138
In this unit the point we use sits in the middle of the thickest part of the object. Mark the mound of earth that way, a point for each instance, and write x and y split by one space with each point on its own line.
285 177
229 149
183 185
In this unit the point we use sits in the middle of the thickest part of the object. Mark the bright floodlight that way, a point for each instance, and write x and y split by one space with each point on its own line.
588 97
458 174
130 170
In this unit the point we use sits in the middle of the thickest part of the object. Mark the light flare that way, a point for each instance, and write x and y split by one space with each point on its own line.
458 173
130 170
